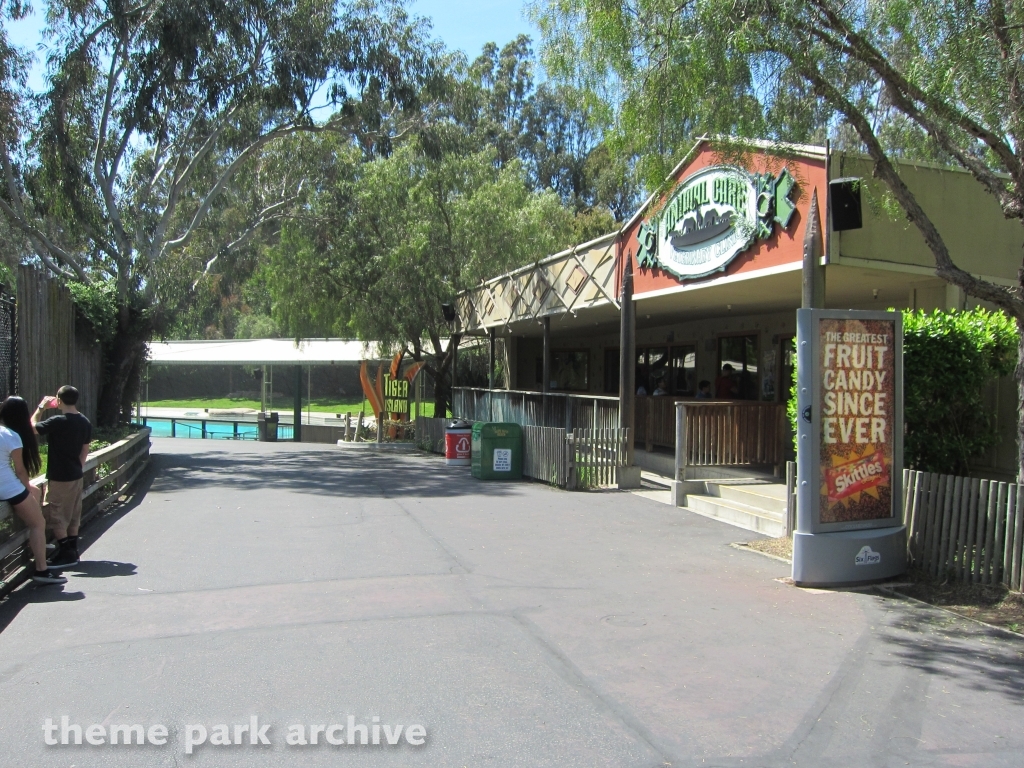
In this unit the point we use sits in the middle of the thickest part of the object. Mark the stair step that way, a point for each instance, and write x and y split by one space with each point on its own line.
770 498
736 513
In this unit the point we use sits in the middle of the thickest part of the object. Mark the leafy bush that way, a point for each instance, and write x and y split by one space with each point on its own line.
948 359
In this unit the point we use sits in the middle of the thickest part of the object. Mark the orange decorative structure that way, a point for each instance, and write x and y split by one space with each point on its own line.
375 391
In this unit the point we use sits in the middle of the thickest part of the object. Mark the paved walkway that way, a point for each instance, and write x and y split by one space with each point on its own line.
522 626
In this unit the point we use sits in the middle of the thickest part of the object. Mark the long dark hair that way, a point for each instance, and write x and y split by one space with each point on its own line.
15 416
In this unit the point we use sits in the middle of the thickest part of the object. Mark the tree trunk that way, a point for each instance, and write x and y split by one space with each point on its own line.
123 361
1018 374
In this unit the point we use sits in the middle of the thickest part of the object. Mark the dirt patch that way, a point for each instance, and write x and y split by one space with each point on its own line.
780 547
991 603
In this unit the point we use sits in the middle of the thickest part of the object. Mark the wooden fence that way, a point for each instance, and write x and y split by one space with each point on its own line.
536 409
430 433
581 458
109 472
728 434
54 347
544 455
595 456
967 528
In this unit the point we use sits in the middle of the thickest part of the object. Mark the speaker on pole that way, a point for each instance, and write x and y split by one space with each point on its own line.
844 204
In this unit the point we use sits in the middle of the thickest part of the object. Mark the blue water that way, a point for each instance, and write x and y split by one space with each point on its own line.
193 428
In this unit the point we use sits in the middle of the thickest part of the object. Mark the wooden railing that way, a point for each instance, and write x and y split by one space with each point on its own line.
724 434
109 472
536 409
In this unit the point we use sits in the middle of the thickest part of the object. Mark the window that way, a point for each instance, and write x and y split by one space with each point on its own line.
611 371
666 371
739 380
684 371
788 345
570 370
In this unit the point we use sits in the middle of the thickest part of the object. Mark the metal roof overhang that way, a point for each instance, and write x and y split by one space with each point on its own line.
259 352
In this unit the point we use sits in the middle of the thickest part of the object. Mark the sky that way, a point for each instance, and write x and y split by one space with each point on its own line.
461 24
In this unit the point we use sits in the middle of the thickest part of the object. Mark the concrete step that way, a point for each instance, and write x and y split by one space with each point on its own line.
655 481
770 497
736 513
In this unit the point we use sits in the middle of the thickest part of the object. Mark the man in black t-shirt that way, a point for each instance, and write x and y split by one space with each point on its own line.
68 436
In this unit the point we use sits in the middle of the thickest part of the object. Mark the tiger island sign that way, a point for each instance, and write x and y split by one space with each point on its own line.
389 393
713 216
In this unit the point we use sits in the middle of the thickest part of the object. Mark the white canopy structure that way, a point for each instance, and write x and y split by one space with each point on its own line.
259 352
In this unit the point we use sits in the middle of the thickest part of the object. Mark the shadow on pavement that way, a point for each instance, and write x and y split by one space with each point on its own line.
318 472
939 643
101 569
30 593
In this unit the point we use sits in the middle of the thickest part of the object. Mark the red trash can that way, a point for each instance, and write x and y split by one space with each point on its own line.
458 441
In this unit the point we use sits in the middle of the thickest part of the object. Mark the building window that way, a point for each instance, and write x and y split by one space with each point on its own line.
611 371
666 371
684 371
570 370
737 368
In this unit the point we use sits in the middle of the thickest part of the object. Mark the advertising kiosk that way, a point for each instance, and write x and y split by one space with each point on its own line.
849 448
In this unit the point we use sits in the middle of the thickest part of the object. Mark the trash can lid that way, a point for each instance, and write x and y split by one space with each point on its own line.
493 429
459 424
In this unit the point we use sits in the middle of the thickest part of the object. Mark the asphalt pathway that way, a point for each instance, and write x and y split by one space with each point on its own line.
519 625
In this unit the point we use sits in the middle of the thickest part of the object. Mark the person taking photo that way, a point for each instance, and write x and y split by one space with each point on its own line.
68 436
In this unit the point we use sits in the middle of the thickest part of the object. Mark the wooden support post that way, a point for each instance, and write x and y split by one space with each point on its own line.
359 427
348 428
680 468
297 408
490 374
627 359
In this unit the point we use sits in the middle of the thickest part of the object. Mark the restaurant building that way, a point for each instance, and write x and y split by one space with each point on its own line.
717 272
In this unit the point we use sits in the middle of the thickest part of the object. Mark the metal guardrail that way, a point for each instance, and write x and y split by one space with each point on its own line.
117 465
199 428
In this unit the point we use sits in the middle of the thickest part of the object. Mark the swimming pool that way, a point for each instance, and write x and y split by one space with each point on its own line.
211 430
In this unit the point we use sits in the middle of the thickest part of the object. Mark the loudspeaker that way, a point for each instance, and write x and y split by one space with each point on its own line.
844 204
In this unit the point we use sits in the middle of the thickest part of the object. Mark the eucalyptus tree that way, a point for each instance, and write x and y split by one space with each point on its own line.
152 112
390 241
941 79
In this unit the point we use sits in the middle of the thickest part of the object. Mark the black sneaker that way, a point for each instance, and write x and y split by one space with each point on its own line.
63 559
45 577
67 554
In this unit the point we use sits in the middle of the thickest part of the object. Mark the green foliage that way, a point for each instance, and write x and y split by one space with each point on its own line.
98 303
949 357
948 360
393 239
254 326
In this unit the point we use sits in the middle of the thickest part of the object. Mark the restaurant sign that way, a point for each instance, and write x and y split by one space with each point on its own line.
714 215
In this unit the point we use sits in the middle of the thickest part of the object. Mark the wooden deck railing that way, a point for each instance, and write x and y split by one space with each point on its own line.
109 472
560 410
732 433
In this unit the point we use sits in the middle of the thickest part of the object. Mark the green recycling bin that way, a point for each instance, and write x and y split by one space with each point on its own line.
497 451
